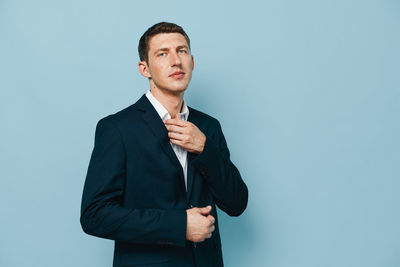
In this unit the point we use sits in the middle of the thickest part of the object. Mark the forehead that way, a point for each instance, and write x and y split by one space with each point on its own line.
166 40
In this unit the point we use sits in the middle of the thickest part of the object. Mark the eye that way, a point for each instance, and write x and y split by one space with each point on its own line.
161 54
182 51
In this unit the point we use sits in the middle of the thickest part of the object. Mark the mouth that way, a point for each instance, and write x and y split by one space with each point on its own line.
177 75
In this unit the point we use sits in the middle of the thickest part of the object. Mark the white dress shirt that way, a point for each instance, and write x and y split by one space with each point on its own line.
180 152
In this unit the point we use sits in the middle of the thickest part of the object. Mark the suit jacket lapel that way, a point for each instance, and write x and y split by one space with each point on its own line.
153 120
190 156
190 176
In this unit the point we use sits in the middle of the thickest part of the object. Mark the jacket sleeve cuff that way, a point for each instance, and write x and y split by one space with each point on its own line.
175 224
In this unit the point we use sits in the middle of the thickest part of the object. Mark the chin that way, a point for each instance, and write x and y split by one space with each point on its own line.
178 89
174 91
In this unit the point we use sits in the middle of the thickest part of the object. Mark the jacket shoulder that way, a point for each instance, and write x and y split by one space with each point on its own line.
121 117
198 115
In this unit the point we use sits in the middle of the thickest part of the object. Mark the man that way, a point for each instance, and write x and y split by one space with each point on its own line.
159 168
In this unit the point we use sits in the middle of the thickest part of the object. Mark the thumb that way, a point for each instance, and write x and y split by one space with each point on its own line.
177 116
205 210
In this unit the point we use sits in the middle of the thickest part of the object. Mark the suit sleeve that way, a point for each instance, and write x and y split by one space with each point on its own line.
102 212
222 176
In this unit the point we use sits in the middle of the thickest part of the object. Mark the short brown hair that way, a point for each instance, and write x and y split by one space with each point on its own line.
162 27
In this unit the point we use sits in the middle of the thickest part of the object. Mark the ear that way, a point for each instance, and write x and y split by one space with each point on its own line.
144 69
192 63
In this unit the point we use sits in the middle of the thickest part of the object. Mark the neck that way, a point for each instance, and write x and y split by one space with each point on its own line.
171 101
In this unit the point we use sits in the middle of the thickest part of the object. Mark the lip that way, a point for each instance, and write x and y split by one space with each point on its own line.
177 74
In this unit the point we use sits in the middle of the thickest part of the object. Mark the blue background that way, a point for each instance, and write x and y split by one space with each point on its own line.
307 93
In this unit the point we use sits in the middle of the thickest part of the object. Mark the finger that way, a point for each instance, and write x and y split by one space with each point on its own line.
211 218
205 210
176 136
178 143
177 122
174 128
208 235
212 228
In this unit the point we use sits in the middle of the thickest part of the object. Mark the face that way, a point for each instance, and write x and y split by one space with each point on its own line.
170 63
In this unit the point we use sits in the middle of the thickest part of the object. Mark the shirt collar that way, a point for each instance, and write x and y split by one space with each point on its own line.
163 112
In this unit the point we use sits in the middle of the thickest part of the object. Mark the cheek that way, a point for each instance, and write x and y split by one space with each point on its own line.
157 74
156 67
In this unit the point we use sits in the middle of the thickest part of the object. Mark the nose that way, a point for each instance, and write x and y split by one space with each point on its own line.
175 59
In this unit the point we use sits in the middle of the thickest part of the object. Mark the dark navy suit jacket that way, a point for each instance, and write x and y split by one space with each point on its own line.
135 191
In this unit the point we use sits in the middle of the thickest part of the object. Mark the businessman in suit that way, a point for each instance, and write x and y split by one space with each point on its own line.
159 168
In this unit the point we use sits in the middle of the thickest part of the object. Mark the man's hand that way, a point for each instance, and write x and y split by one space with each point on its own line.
200 224
185 134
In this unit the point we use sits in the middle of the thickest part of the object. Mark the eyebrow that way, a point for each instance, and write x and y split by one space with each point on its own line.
166 49
182 46
161 49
